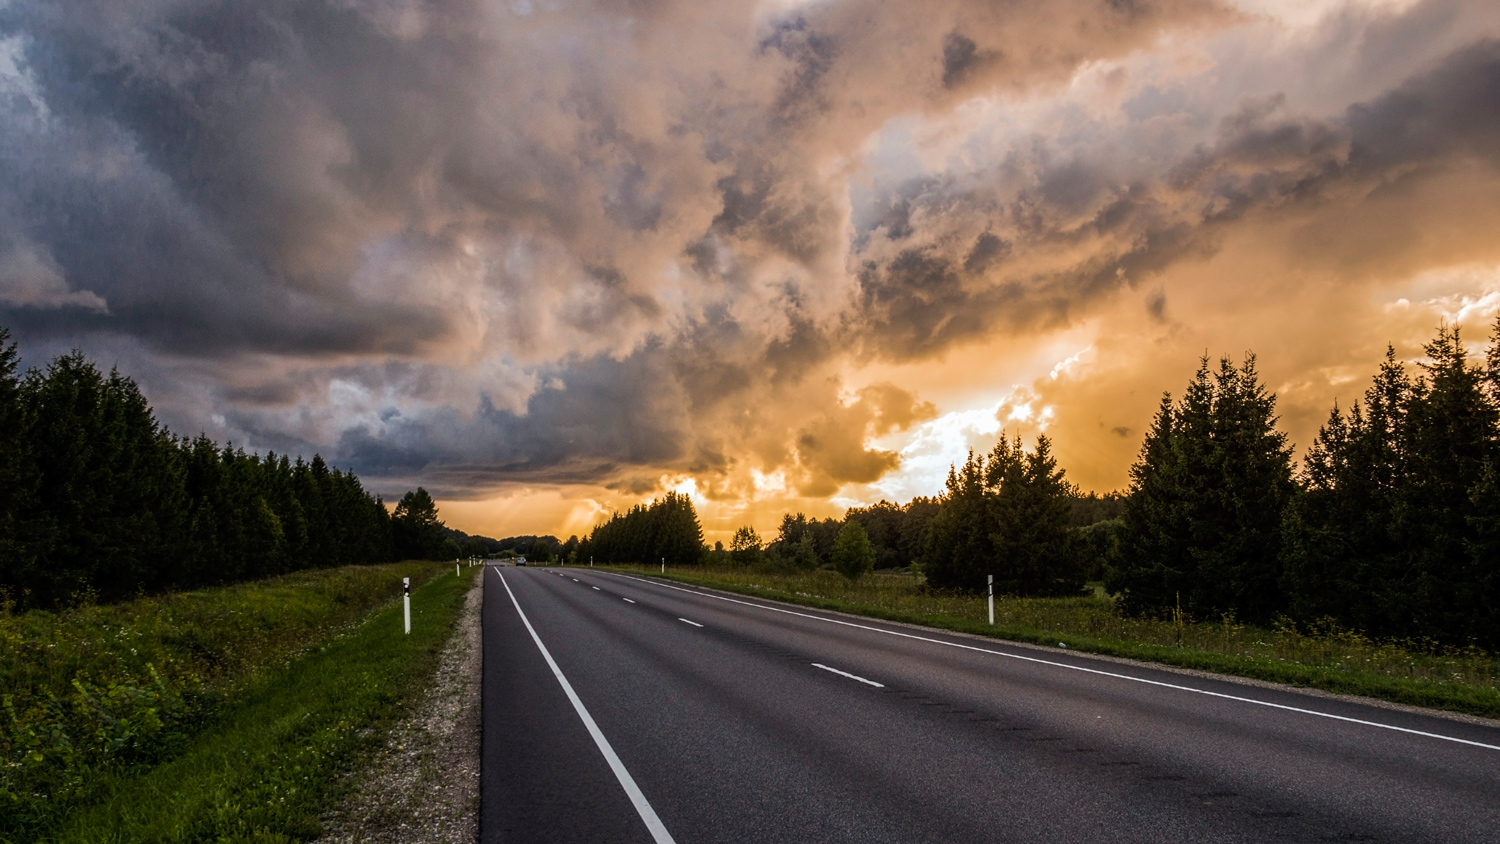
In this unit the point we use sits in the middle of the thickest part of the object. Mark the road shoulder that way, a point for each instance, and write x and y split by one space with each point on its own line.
423 785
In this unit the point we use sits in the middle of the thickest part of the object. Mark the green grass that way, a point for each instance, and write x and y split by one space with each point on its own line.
1328 658
271 768
218 715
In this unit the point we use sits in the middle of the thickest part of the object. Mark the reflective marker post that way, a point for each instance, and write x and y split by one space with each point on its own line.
992 599
406 600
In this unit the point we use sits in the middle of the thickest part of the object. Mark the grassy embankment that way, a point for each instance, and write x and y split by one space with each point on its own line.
1463 680
215 715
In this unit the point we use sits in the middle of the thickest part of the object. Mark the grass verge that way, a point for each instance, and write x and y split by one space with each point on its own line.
266 692
1330 659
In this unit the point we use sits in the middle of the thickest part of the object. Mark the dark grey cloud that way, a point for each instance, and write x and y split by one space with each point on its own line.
451 240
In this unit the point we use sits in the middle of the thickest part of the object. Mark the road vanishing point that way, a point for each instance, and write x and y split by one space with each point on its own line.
625 709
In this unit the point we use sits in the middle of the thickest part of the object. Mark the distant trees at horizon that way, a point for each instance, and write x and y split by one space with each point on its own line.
1391 526
666 529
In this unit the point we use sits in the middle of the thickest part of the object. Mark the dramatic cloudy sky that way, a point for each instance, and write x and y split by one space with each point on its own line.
551 258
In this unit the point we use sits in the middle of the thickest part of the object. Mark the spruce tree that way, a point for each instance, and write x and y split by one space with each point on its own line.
1007 515
17 475
1202 528
678 537
959 551
417 530
1394 534
1031 510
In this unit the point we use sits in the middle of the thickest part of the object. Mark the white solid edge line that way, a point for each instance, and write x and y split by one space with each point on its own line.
653 823
1221 695
694 623
850 676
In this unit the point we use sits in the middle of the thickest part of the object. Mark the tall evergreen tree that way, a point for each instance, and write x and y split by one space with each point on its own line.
1005 515
1391 535
417 531
1032 511
17 471
678 535
666 529
98 499
1202 527
959 551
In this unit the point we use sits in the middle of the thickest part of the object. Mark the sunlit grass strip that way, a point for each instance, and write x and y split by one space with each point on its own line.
270 766
1417 673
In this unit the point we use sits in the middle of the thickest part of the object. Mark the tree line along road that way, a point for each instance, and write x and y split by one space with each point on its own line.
622 709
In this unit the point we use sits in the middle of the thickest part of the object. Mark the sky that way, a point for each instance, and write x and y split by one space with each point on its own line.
551 259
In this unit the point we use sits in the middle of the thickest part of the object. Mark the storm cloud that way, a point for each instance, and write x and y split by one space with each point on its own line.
484 244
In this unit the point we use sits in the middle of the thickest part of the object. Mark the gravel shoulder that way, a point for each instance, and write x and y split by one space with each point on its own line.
423 785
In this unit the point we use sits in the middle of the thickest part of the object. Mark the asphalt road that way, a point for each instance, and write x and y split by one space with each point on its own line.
717 719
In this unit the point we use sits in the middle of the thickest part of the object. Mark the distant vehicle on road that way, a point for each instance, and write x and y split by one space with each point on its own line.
520 561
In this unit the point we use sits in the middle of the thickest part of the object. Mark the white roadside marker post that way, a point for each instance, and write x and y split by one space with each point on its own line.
992 600
406 600
663 565
455 568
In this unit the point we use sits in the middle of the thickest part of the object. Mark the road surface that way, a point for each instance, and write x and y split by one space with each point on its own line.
620 709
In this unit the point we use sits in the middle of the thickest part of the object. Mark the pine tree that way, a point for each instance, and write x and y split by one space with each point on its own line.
1006 514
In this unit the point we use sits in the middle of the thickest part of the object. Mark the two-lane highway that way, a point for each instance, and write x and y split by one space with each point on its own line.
622 709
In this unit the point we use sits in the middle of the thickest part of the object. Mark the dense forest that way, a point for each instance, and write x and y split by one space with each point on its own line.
98 501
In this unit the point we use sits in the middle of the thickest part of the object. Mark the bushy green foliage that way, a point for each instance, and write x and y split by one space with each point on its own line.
99 502
1202 527
1096 546
101 689
853 555
745 548
666 529
271 764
